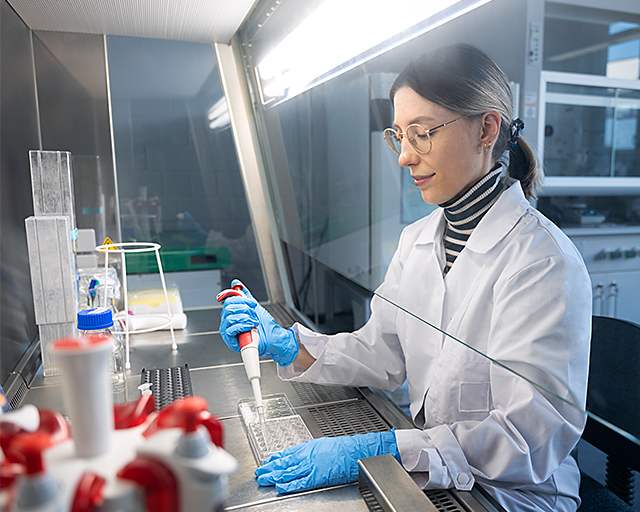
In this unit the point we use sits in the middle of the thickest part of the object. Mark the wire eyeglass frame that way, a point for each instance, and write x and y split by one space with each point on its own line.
393 137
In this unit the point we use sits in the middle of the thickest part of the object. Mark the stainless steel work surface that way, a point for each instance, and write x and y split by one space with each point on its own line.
345 498
245 492
217 374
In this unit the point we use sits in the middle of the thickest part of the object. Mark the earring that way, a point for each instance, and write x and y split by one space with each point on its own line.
487 147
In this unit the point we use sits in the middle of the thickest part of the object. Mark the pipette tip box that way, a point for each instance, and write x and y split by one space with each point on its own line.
283 426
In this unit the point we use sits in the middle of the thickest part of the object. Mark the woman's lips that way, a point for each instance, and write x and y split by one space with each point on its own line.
421 180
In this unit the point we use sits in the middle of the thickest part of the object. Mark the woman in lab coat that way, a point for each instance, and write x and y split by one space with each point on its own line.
486 268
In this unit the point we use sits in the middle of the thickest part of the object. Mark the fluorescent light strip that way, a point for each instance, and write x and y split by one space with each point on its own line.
328 38
218 114
217 109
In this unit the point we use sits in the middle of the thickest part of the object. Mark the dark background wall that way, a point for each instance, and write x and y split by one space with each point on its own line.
161 92
18 134
53 97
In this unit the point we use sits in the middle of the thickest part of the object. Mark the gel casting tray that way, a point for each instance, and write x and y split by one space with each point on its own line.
284 428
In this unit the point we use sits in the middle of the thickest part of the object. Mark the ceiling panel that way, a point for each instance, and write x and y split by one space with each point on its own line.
185 20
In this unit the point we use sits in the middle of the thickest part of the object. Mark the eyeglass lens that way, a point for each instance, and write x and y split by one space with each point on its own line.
418 138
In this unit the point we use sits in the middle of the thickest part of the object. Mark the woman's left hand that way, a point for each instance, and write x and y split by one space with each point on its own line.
323 462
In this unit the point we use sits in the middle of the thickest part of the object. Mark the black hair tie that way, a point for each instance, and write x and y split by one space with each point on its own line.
514 131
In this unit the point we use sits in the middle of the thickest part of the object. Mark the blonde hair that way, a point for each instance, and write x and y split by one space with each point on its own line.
464 79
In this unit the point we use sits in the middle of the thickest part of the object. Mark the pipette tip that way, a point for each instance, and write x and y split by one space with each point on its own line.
263 424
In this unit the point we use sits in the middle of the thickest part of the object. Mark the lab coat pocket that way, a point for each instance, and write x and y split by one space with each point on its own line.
460 389
474 396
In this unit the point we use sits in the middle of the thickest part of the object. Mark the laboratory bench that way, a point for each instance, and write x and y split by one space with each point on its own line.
217 374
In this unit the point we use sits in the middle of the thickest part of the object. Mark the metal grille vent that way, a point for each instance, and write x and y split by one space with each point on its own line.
315 394
168 384
443 501
370 500
17 398
347 419
440 499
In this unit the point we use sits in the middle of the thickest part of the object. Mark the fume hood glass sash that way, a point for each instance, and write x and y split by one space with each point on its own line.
549 390
360 30
319 176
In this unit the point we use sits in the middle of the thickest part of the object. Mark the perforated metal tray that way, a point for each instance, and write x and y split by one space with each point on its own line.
167 384
284 428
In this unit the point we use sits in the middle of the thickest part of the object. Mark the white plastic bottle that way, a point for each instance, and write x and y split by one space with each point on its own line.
100 321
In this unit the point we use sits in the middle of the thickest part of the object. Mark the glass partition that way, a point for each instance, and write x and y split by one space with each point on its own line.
339 195
342 201
351 196
74 116
619 416
179 182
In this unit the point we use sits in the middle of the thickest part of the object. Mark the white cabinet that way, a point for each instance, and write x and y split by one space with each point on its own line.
617 294
612 256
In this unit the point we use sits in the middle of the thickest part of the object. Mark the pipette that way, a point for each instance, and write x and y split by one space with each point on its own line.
249 342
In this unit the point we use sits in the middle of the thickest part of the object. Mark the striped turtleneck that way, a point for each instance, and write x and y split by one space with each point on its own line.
465 211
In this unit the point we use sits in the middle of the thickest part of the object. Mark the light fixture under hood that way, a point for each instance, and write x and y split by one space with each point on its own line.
342 34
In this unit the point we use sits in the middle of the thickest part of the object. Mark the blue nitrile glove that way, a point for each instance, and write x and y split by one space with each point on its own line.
241 314
323 462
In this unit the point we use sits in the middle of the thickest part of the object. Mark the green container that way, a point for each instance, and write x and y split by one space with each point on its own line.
176 260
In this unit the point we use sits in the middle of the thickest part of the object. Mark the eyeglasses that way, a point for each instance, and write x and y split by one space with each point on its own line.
418 136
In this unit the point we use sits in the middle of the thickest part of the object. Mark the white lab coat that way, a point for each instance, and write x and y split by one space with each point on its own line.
520 293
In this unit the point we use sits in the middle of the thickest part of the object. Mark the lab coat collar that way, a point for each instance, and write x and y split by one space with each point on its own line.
494 226
434 230
499 220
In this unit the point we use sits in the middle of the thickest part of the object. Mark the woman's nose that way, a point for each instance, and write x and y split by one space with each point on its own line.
408 156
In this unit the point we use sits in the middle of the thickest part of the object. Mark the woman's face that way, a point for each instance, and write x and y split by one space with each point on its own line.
456 160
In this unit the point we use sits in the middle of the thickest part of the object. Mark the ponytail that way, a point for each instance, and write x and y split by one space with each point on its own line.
525 167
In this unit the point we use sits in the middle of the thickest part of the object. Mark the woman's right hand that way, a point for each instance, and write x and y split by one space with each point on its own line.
237 316
242 314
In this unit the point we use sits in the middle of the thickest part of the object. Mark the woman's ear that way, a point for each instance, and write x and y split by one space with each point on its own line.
490 127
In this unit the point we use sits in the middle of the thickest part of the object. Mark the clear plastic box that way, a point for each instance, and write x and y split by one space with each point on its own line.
284 428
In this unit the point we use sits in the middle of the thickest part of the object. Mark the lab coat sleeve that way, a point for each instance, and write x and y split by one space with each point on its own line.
434 458
540 328
371 356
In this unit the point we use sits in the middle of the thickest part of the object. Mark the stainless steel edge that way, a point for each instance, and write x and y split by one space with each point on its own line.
477 500
289 315
23 375
252 169
387 409
35 89
473 501
392 487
